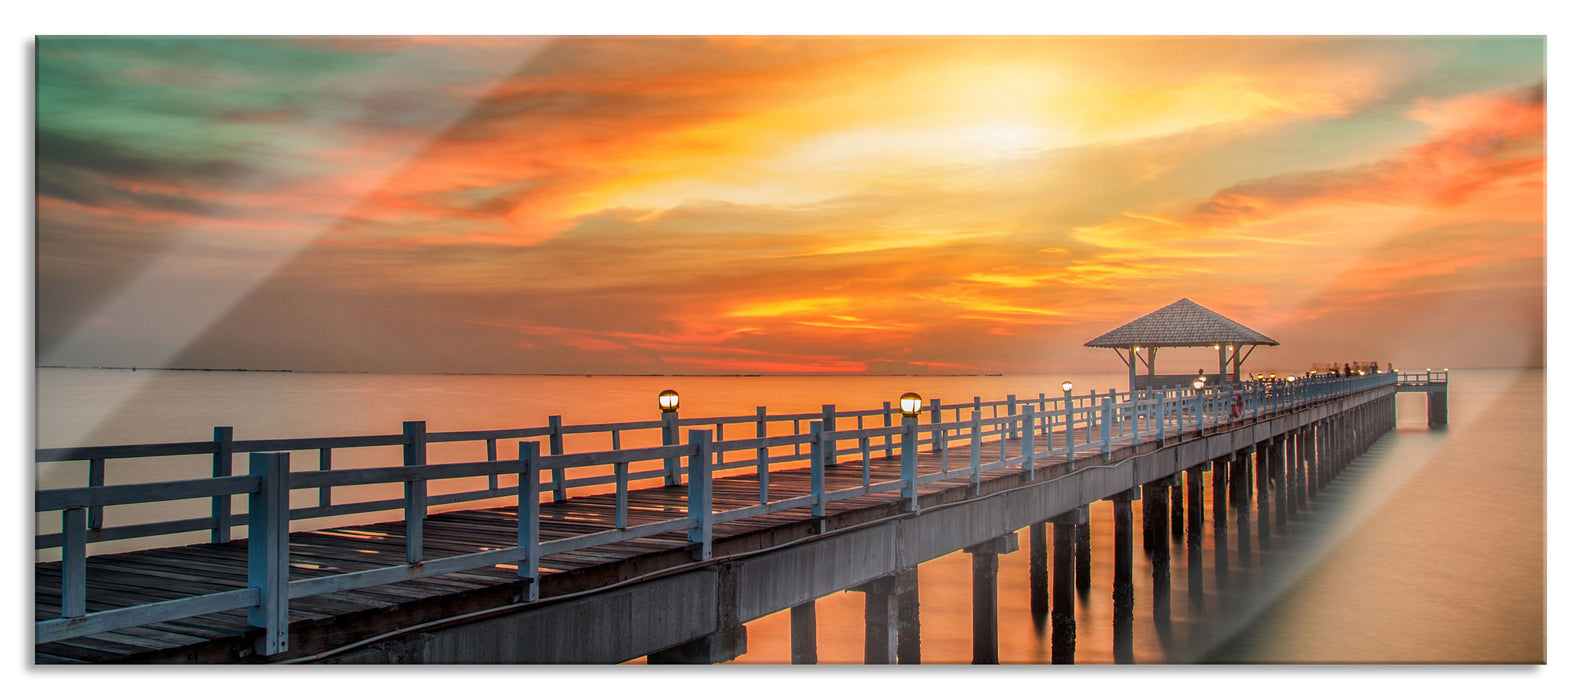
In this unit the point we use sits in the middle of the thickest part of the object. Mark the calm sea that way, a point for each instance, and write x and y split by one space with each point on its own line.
1428 549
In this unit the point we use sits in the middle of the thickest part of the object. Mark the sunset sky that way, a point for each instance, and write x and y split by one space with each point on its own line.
783 204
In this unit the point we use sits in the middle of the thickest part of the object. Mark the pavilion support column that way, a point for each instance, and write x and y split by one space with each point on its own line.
1131 369
804 633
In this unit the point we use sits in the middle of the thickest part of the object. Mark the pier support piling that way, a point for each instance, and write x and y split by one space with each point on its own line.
1221 475
1177 506
1083 532
1123 592
908 627
1038 568
804 633
1063 615
985 597
1243 466
1263 478
1194 537
881 618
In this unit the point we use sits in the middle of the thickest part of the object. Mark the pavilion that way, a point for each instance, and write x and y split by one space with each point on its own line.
1183 324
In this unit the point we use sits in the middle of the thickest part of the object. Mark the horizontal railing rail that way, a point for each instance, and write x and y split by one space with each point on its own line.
1084 424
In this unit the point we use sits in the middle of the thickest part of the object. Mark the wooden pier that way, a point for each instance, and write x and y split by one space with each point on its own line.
660 549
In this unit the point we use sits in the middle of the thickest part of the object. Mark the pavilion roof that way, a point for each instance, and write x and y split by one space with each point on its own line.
1179 325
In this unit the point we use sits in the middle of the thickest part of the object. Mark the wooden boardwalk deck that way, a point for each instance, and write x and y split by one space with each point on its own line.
323 622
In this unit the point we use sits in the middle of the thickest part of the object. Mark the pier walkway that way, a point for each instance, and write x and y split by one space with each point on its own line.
662 549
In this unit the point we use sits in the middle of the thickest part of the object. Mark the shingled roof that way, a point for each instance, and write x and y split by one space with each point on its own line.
1179 325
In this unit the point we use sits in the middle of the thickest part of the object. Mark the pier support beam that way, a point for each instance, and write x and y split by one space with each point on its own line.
985 597
804 633
1063 614
726 642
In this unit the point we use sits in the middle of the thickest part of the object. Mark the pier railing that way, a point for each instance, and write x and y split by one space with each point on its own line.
1086 424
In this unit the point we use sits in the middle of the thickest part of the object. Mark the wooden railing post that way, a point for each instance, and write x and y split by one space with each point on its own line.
934 419
415 453
492 453
1029 445
670 434
74 562
1071 442
763 456
909 462
325 463
889 444
700 494
557 447
220 506
269 548
1136 404
96 478
1048 420
1106 418
1160 418
976 456
527 517
829 424
816 466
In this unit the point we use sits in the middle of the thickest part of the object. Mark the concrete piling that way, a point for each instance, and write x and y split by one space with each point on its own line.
1063 620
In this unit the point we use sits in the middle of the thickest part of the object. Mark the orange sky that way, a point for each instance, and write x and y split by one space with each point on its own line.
768 205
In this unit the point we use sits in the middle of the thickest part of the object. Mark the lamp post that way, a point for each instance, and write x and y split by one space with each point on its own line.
911 405
670 433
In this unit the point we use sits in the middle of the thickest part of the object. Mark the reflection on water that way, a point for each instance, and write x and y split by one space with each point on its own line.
1427 549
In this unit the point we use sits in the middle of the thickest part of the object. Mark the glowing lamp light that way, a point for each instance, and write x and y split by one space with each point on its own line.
669 401
1197 384
1290 378
911 404
1066 386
